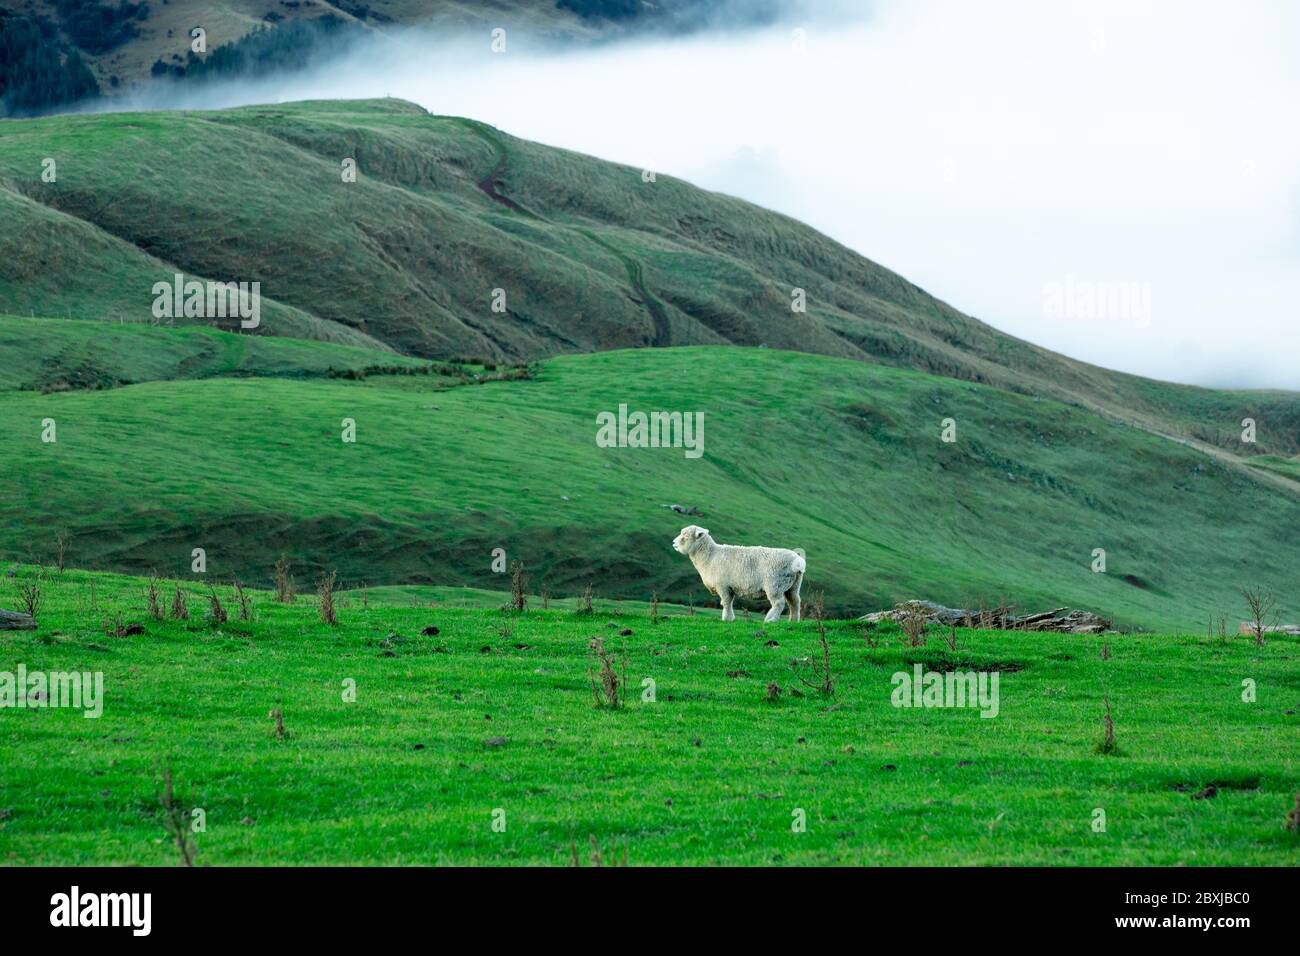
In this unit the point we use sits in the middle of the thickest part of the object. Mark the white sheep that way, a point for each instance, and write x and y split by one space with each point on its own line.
732 571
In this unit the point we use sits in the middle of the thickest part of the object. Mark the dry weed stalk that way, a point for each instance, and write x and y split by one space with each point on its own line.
518 587
216 613
151 598
825 680
284 593
606 690
175 819
180 608
325 589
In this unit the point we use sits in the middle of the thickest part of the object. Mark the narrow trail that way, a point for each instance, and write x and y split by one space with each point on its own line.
1227 458
658 313
489 184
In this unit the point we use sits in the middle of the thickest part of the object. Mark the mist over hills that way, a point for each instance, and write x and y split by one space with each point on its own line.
59 53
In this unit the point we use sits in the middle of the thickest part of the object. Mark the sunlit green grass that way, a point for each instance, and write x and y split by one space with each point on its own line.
709 772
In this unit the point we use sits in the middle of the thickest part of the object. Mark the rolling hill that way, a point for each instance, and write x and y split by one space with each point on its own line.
587 254
839 457
476 428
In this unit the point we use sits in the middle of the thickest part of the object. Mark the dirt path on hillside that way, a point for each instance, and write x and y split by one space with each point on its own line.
489 184
1226 457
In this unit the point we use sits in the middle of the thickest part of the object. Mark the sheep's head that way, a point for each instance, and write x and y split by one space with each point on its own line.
690 538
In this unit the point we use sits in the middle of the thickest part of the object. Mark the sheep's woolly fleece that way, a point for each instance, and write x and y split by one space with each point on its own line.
732 571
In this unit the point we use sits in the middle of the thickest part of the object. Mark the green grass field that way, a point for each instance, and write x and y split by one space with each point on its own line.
841 458
128 444
710 772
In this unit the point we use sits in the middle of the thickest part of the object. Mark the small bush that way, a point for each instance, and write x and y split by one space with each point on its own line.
180 608
216 613
29 592
606 690
284 592
913 624
518 587
151 599
325 589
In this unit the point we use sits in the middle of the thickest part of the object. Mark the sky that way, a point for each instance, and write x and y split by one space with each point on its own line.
1117 181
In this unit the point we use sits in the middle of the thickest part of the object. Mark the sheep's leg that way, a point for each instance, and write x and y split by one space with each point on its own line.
777 600
792 596
726 597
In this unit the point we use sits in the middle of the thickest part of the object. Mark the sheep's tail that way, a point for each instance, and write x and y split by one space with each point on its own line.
800 564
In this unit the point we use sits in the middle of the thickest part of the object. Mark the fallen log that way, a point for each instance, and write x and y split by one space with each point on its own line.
1059 620
1291 630
16 621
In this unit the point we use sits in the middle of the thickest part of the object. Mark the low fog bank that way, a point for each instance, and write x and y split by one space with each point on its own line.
1118 182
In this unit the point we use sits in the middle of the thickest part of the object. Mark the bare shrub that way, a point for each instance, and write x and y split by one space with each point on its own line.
244 601
325 589
216 613
596 859
180 608
586 600
278 732
116 626
176 819
950 640
654 607
546 600
913 624
60 550
824 682
151 598
518 587
606 689
1107 745
1261 603
284 591
29 593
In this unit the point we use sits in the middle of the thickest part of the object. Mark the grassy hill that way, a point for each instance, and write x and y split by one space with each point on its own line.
839 457
494 714
589 256
377 307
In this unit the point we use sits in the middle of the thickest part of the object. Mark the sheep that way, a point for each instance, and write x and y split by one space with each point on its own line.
732 571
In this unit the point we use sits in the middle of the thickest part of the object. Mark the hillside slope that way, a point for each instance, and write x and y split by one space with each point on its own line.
841 458
587 254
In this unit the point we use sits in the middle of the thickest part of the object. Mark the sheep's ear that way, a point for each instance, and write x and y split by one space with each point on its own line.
701 532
